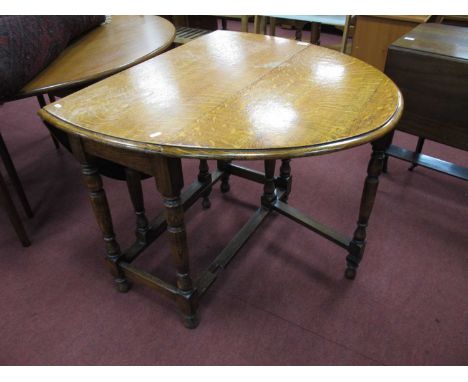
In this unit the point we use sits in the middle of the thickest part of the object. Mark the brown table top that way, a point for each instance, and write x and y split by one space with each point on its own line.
231 95
445 40
106 50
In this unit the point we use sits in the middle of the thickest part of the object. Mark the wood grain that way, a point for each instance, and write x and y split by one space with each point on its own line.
374 34
106 50
231 95
430 65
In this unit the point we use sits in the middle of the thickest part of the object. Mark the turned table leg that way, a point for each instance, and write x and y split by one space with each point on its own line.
269 188
204 176
285 178
358 243
98 199
169 181
222 166
136 195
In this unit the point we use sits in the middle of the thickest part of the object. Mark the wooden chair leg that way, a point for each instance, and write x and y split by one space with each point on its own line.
136 195
7 203
169 181
42 103
358 243
9 166
98 199
204 176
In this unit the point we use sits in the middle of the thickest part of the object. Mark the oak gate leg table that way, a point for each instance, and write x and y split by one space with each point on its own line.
225 96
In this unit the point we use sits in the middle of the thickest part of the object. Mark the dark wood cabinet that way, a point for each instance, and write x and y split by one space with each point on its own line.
430 66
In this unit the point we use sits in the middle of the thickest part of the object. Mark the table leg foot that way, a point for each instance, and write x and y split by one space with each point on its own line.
350 273
356 252
225 187
191 321
206 203
122 284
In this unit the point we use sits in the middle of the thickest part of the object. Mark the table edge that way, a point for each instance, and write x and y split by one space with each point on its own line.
91 79
230 154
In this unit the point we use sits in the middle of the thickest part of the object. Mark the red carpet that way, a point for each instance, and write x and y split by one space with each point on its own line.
282 301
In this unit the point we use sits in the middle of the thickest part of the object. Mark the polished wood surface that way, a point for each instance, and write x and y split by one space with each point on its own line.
374 34
106 50
433 77
231 95
430 66
225 96
444 40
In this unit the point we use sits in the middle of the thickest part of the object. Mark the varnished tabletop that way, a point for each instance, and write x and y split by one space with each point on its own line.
106 50
231 95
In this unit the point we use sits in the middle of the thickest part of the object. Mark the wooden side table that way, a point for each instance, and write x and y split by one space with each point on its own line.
430 65
225 96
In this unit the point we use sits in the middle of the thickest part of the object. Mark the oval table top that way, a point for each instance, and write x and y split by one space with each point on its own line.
230 95
105 50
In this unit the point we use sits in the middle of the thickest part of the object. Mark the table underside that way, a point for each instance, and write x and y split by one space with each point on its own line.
167 172
193 193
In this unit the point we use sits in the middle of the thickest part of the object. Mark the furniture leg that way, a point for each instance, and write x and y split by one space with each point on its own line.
136 195
244 23
298 25
263 22
260 24
169 181
285 178
419 147
7 202
223 166
269 188
358 243
346 29
272 26
204 176
389 139
98 199
42 103
315 33
6 158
